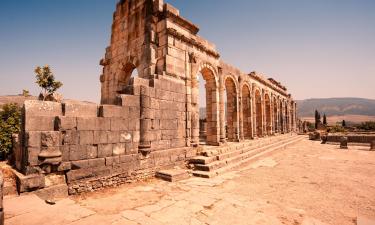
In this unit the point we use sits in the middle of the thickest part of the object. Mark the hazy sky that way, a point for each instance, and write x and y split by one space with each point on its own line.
317 48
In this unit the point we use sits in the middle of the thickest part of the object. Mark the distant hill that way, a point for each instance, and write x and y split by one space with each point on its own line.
336 106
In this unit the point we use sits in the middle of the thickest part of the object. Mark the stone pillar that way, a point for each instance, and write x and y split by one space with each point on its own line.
344 143
222 108
194 107
372 145
252 116
241 118
237 128
145 120
271 116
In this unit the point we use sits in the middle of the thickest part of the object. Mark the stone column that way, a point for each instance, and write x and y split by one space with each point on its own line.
252 116
264 125
271 116
222 108
194 114
145 121
241 118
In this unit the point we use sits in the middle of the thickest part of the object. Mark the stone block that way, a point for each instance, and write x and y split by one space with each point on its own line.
65 149
32 155
79 109
75 175
134 113
113 137
77 152
110 111
172 175
97 162
86 137
128 158
344 143
130 100
110 161
30 182
33 139
118 149
168 124
64 166
131 148
100 137
125 137
40 123
171 9
118 124
63 123
105 150
33 108
92 151
134 125
70 137
50 138
80 164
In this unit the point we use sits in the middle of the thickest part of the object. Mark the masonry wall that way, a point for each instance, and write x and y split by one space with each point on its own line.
96 146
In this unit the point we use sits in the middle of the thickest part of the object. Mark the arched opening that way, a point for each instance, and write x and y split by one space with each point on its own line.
246 112
205 106
268 113
231 109
258 113
124 76
275 118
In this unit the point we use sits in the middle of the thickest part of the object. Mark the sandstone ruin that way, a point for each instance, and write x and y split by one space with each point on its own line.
151 121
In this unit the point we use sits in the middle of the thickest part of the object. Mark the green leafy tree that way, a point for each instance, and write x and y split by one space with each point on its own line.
25 93
368 126
343 123
46 80
325 119
10 120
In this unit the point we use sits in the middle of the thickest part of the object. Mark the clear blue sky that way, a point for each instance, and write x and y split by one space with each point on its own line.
317 48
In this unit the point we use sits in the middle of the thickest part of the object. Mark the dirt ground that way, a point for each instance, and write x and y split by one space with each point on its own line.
307 184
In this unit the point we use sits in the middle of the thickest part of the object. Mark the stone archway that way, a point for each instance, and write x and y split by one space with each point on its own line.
246 112
127 71
258 113
267 101
231 110
207 130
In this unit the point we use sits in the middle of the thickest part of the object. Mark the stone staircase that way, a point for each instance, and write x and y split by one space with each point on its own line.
218 160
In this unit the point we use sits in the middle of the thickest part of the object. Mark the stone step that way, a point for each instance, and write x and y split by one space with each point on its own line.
172 175
237 156
213 154
246 160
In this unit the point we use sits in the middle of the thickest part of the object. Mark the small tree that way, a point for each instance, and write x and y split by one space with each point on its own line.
46 80
317 119
10 120
324 120
343 123
25 93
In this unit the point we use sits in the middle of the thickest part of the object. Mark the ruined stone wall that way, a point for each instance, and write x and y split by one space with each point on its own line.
98 145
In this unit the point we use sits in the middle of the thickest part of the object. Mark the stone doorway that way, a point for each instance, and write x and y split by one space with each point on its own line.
231 110
246 112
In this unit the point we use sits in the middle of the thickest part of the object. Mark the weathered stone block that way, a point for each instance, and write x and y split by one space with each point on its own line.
77 152
29 183
100 137
130 100
110 161
80 109
118 149
109 111
92 151
38 108
125 137
128 158
63 123
81 164
86 137
118 124
65 149
105 150
70 137
372 148
113 137
97 162
64 166
40 123
344 143
50 138
33 139
32 155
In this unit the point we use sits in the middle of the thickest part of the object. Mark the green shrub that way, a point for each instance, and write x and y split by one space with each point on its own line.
10 121
336 129
369 126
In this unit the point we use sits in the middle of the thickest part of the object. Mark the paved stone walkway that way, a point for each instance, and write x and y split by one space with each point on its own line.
308 184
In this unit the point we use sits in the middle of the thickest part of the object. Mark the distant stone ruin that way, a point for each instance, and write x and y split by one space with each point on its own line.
151 121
